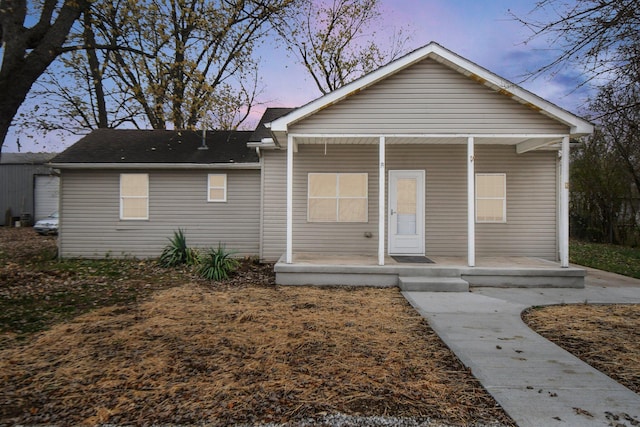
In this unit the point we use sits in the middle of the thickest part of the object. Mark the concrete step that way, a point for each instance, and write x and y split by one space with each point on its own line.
433 284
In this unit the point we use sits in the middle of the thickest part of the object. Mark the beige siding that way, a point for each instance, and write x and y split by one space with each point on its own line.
90 224
274 205
445 193
335 237
530 229
428 98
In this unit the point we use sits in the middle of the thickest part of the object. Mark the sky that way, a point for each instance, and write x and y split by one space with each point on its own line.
481 31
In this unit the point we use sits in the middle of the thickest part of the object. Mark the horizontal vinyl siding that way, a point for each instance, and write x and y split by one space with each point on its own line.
90 224
274 205
531 227
335 237
446 193
428 97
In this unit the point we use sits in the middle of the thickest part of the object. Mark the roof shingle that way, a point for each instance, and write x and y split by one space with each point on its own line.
159 146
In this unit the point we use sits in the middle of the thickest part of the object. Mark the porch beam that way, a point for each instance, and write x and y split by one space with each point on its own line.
532 144
471 204
289 253
381 199
563 235
552 136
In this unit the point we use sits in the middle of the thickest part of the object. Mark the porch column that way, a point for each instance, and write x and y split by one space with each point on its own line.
564 204
289 255
381 200
471 204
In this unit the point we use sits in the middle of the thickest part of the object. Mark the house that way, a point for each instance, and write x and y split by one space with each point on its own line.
430 155
28 187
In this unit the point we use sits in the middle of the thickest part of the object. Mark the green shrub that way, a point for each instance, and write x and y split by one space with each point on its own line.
177 252
217 264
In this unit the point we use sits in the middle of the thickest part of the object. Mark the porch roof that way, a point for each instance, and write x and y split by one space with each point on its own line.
523 142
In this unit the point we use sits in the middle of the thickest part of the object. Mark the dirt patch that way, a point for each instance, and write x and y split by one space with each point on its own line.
606 337
170 348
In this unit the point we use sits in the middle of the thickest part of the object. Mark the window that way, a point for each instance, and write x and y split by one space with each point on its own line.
337 197
217 188
134 196
491 197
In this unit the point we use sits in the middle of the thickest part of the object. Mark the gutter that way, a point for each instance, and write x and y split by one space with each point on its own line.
157 166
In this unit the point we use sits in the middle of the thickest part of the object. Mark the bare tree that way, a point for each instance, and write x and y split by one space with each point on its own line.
336 41
27 50
601 35
179 63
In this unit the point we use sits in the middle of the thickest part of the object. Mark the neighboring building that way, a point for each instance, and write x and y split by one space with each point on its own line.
28 187
428 155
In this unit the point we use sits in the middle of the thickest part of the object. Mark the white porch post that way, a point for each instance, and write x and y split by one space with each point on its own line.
381 200
289 255
564 204
471 204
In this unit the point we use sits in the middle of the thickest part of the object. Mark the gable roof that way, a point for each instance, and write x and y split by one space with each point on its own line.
121 147
578 126
262 132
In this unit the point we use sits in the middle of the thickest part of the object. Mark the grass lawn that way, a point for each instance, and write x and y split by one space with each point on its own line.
617 259
126 342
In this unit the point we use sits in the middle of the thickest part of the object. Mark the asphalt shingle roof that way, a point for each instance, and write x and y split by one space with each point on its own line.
269 115
159 146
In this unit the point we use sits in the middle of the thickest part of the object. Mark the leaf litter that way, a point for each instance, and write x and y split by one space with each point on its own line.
238 352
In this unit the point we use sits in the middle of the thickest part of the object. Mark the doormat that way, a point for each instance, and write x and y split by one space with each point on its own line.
413 259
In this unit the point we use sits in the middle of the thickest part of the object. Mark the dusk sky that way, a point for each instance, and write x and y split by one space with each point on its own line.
479 30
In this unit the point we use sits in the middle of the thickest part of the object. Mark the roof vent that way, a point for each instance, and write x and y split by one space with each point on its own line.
204 140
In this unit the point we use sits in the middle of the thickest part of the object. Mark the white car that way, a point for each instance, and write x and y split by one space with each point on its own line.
48 225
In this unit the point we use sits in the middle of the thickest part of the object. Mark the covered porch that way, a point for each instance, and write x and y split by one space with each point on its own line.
459 152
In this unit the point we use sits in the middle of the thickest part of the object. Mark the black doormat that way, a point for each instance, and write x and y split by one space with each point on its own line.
413 259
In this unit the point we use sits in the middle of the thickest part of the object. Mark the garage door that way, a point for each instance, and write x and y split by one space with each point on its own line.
47 189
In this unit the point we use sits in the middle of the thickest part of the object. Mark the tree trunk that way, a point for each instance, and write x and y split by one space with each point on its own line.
29 51
96 74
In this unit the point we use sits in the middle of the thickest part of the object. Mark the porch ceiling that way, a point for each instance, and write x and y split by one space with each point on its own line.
535 142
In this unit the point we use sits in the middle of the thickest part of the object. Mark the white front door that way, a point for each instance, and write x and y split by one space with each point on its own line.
406 212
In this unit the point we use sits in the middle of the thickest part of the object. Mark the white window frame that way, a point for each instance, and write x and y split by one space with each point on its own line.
209 188
337 197
504 198
122 198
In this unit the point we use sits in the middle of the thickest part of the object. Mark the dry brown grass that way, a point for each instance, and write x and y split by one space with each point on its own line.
605 336
194 354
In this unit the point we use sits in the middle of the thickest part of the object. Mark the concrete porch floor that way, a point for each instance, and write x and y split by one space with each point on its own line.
363 270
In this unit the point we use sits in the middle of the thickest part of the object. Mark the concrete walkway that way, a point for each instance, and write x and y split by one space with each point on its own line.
536 382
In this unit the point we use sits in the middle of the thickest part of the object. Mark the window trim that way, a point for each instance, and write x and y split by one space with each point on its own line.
122 198
337 197
504 198
209 188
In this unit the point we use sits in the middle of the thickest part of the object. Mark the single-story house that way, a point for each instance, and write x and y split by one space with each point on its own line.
28 188
430 155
